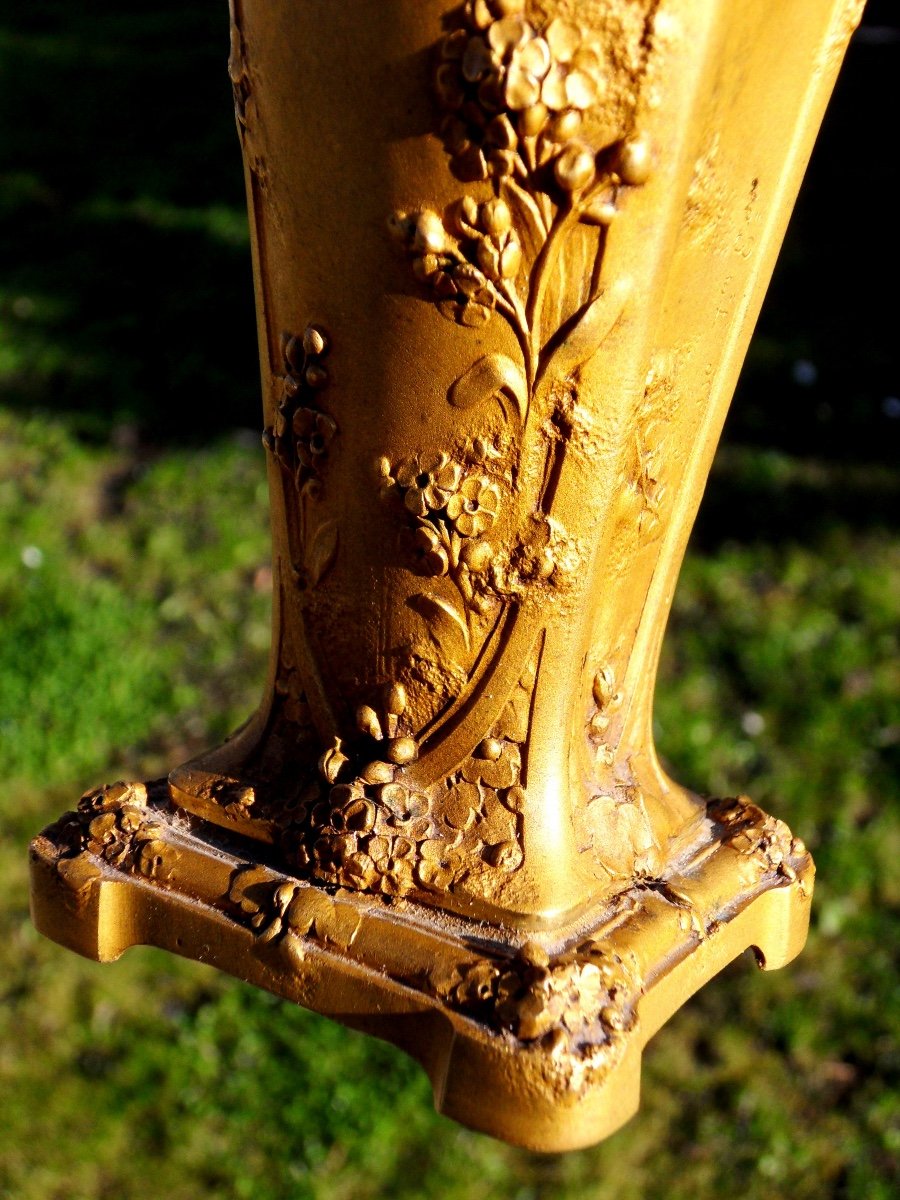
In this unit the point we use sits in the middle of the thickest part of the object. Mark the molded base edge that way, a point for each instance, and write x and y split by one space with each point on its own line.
538 1042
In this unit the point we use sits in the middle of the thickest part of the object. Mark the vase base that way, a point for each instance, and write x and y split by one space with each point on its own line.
538 1041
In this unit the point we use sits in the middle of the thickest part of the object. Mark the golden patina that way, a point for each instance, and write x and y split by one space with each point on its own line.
508 256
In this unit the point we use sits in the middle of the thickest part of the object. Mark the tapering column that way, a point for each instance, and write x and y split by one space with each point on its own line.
508 256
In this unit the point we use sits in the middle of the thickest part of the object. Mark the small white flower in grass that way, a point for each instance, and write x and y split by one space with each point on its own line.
753 723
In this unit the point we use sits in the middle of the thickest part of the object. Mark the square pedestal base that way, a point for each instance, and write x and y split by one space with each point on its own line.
534 1038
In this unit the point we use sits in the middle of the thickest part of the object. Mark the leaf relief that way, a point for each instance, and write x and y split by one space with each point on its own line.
447 626
321 552
581 337
493 376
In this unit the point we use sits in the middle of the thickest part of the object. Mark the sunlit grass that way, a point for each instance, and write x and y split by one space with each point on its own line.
137 633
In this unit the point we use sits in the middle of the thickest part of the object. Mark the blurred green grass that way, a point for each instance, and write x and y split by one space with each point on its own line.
134 617
158 1077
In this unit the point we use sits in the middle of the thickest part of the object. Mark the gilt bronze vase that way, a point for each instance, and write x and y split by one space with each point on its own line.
508 255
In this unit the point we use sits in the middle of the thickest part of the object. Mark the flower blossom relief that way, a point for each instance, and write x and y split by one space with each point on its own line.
541 110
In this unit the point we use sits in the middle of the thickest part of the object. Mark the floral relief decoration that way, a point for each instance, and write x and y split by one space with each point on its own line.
536 113
300 440
766 841
653 416
448 506
116 824
372 831
607 700
520 94
584 995
523 92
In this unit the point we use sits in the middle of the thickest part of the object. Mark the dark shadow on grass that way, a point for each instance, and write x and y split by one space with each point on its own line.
823 374
766 497
126 291
127 295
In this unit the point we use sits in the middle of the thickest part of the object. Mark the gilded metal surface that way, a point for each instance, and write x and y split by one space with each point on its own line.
508 256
